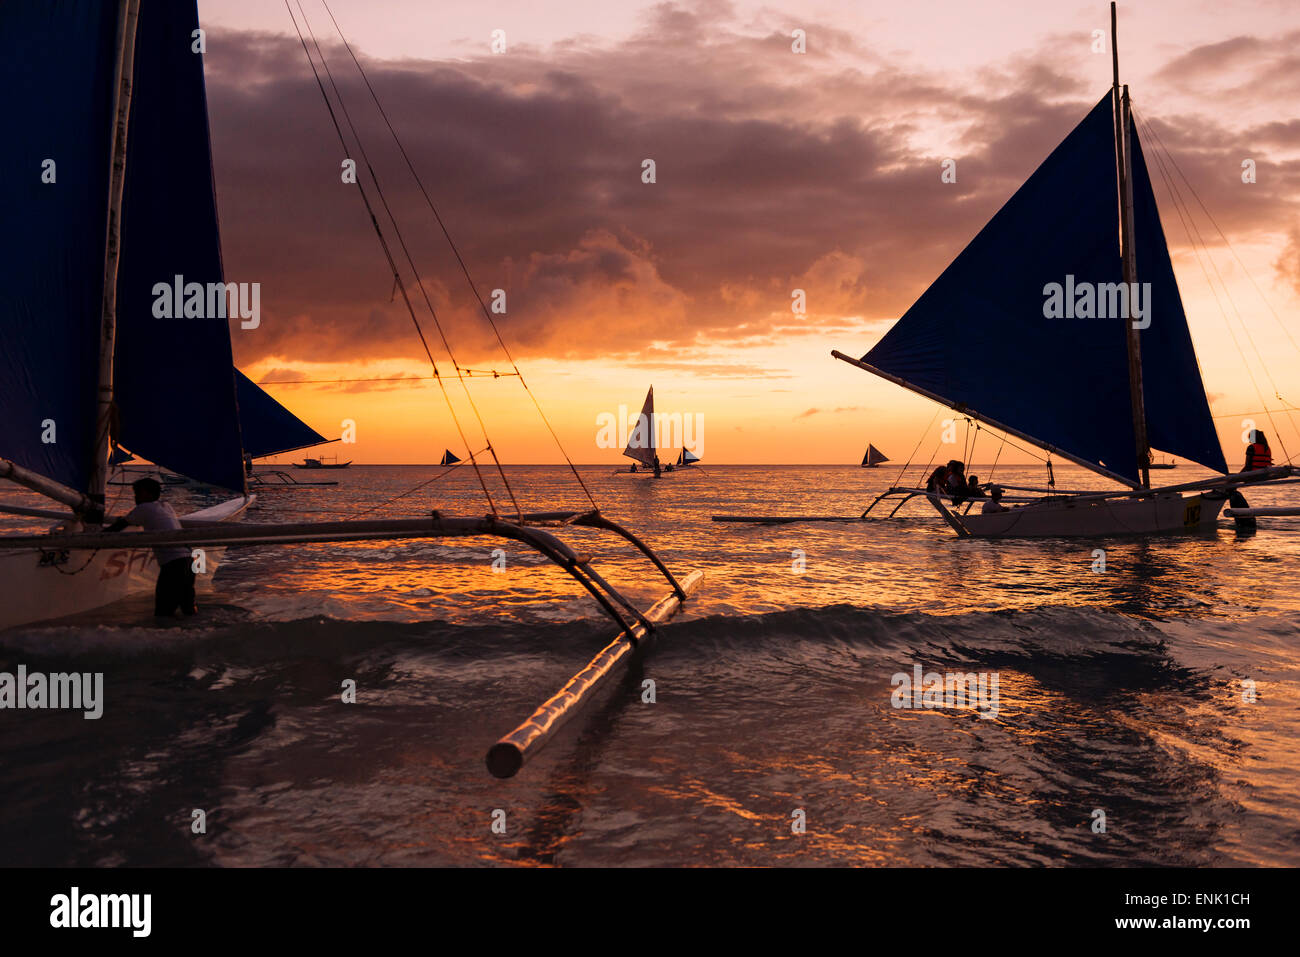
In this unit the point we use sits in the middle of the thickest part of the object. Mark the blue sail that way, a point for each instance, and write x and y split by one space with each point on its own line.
56 68
980 338
1178 412
174 383
174 378
268 427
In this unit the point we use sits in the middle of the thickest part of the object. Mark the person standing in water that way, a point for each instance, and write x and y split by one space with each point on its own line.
175 588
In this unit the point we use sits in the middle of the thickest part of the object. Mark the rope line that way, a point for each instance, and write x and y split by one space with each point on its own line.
397 278
487 314
478 373
1161 153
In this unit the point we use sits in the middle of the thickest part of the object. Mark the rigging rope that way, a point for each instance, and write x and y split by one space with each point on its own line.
908 463
1194 236
410 491
459 259
394 378
410 262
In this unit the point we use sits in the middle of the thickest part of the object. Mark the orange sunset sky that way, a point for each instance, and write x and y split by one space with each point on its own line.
775 171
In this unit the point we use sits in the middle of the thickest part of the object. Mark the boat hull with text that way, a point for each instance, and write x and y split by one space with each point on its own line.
41 585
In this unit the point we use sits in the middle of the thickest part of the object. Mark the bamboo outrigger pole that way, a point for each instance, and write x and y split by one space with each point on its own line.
507 756
77 501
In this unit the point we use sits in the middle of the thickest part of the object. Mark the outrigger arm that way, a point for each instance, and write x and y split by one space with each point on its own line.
509 754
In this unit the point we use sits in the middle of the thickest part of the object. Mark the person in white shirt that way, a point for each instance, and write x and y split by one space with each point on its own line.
175 588
994 504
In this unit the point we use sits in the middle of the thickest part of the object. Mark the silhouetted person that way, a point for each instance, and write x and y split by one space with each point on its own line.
938 481
175 588
973 489
994 504
956 485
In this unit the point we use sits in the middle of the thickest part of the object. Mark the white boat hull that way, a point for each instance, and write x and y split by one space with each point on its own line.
39 586
1063 518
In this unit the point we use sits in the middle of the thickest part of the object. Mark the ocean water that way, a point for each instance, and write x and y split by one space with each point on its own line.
1159 694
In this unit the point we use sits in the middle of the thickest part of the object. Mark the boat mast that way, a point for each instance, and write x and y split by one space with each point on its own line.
1124 173
123 70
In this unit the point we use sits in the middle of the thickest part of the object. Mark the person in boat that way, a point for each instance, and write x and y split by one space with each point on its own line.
938 481
1258 454
175 587
973 489
632 467
956 485
994 504
657 468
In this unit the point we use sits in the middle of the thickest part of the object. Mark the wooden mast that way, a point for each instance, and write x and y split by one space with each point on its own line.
124 68
1124 173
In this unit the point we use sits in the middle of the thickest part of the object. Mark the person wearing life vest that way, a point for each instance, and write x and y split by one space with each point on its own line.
1258 455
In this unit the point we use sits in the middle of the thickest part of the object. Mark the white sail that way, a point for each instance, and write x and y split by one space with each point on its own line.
641 443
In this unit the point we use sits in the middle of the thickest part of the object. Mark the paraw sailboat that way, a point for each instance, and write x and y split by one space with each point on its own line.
113 95
1083 346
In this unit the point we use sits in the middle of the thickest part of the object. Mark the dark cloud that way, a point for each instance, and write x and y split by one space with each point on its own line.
774 172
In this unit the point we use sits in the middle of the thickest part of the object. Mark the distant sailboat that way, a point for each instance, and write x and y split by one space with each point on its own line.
641 443
641 447
873 457
448 458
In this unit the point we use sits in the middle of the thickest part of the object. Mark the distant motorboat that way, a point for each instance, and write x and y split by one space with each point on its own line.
321 464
